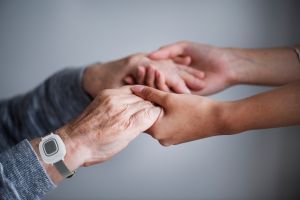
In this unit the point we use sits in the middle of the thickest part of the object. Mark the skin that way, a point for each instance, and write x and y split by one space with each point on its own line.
206 118
117 73
105 128
117 115
114 118
224 67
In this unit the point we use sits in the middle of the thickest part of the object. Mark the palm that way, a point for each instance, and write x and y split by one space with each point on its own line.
212 62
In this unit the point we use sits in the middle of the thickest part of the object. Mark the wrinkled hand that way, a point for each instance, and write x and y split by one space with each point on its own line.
213 61
117 73
106 127
185 117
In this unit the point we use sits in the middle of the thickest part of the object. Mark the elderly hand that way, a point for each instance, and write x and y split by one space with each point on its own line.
105 127
185 117
213 61
116 73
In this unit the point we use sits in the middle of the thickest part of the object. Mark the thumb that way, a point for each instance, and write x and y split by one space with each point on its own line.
150 94
169 51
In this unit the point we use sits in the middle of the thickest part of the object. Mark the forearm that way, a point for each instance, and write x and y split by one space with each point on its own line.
22 176
275 108
51 105
276 66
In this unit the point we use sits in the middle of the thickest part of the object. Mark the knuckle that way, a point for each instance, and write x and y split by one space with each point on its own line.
148 92
117 110
109 102
156 135
178 84
145 104
105 93
148 113
136 58
168 99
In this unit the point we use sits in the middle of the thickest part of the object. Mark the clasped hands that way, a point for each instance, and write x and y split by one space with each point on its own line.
117 116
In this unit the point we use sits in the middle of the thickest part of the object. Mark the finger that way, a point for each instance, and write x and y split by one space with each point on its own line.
138 106
178 85
130 80
186 60
144 119
122 95
127 99
169 51
191 81
140 75
197 73
165 142
150 94
160 81
126 89
150 76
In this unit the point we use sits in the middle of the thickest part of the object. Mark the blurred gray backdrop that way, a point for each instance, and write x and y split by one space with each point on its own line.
38 38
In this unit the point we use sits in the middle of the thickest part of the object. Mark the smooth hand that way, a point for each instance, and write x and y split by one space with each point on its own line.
167 76
184 118
213 61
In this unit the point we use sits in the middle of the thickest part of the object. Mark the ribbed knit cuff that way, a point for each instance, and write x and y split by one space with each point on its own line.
22 175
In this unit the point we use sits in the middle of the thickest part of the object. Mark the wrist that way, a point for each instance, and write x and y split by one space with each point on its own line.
91 84
233 61
74 157
232 118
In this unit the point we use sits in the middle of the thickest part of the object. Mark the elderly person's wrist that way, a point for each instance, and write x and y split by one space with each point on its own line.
75 156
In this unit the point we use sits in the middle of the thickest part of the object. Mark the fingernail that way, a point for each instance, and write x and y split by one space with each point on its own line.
139 71
187 90
157 74
202 75
137 88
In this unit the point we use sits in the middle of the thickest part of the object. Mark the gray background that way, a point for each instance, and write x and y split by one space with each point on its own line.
38 38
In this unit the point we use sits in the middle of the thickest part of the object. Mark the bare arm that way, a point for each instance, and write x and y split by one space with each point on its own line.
276 66
275 108
190 117
224 67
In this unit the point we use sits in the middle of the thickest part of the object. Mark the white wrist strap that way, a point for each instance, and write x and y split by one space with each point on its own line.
62 167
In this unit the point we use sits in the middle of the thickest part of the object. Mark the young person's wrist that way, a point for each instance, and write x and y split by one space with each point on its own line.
228 124
235 62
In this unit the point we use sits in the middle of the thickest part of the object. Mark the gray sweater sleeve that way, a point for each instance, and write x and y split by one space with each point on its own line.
22 176
51 105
